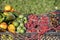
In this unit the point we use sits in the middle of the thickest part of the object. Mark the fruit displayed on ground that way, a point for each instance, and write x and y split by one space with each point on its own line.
8 8
36 24
21 20
54 20
11 28
32 21
9 16
11 21
4 37
15 23
3 25
20 23
20 30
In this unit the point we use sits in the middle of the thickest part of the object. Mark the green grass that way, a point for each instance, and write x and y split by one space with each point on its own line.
32 6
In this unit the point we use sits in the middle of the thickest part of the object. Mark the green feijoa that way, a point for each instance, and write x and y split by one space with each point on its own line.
15 23
18 29
21 31
21 16
19 20
25 21
25 18
21 24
